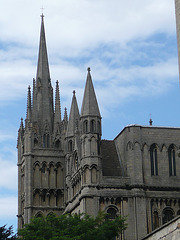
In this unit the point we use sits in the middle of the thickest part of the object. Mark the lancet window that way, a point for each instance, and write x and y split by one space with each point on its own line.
46 140
85 126
172 160
155 220
168 215
153 159
70 146
93 126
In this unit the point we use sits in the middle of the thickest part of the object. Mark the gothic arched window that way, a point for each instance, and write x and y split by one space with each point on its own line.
44 196
92 126
112 213
46 141
168 215
57 144
70 146
85 126
35 142
172 160
153 159
155 220
39 215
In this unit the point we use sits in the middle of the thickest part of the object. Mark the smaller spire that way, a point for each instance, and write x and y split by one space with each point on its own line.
28 112
21 125
65 115
57 114
74 117
89 105
20 133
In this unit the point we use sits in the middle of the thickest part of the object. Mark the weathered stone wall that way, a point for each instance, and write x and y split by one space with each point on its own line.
170 231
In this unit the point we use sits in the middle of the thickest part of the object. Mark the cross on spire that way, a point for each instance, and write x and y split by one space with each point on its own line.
42 8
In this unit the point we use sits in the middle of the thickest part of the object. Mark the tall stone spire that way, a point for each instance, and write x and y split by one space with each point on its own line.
89 105
57 114
43 111
73 117
43 66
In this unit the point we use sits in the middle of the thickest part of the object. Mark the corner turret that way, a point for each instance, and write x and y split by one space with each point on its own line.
90 121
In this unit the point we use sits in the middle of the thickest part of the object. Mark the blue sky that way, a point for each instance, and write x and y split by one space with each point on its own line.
129 45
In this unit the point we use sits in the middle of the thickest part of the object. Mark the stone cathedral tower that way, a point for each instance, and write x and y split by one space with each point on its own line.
65 167
55 157
40 146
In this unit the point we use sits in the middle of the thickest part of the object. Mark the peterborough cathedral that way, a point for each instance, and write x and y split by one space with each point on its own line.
65 167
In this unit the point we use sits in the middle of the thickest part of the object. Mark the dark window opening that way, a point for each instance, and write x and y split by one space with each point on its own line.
155 220
93 126
85 126
70 146
44 196
172 161
57 144
43 168
46 141
153 158
167 215
112 213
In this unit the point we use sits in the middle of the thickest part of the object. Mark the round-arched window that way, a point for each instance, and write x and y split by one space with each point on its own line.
168 215
112 213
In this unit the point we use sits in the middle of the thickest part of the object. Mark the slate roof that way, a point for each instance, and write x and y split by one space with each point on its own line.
110 161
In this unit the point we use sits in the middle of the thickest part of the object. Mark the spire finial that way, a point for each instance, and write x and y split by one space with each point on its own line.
42 8
89 69
74 92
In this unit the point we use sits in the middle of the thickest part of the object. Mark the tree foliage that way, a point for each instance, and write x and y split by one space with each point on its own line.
72 227
7 233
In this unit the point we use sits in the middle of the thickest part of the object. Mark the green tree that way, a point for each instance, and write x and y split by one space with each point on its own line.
7 233
72 227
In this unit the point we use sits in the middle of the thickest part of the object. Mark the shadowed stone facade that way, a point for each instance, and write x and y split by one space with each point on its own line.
65 166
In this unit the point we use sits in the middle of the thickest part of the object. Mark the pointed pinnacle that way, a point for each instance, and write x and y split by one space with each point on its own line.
57 117
89 104
65 115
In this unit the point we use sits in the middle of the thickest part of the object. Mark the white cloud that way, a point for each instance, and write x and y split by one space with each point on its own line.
8 207
85 23
8 170
74 31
